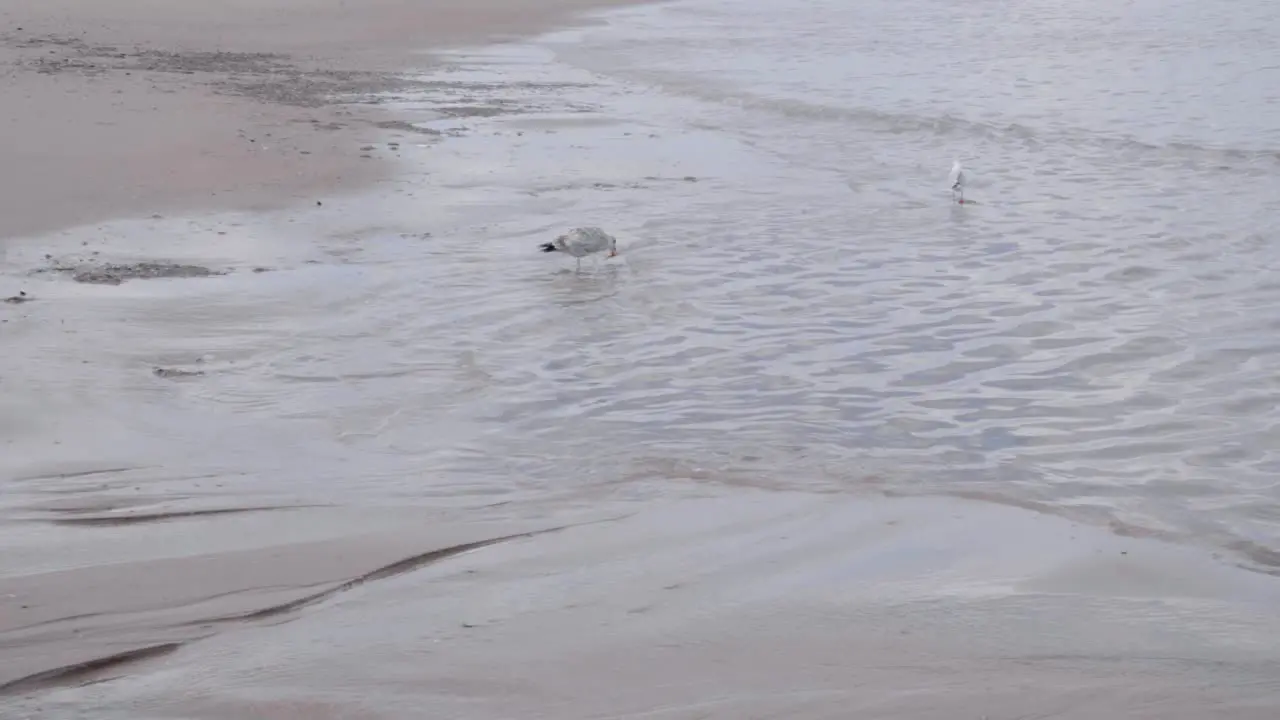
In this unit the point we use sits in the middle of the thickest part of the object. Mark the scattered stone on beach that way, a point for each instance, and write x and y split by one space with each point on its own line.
20 298
162 372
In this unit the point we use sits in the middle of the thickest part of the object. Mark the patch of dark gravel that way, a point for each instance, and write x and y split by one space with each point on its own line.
118 273
54 54
115 274
175 373
268 77
310 89
208 62
53 66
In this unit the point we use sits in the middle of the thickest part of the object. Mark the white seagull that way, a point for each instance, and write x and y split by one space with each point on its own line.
957 181
583 241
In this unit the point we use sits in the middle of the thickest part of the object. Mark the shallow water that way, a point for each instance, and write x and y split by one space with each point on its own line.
797 304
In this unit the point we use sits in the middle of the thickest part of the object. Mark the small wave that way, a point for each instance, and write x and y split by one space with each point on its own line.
960 129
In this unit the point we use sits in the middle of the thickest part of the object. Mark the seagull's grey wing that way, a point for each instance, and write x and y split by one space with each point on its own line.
584 241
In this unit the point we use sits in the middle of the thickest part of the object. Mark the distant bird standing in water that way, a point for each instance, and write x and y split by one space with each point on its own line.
581 242
957 182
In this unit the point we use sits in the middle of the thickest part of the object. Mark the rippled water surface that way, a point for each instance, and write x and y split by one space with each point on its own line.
797 303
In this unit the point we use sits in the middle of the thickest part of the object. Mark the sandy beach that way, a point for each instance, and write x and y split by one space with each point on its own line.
138 109
133 107
296 423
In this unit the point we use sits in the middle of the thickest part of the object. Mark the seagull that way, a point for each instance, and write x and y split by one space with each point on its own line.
957 181
581 242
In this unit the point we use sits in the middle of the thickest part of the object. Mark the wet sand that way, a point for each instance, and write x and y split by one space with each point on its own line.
207 513
137 109
742 604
